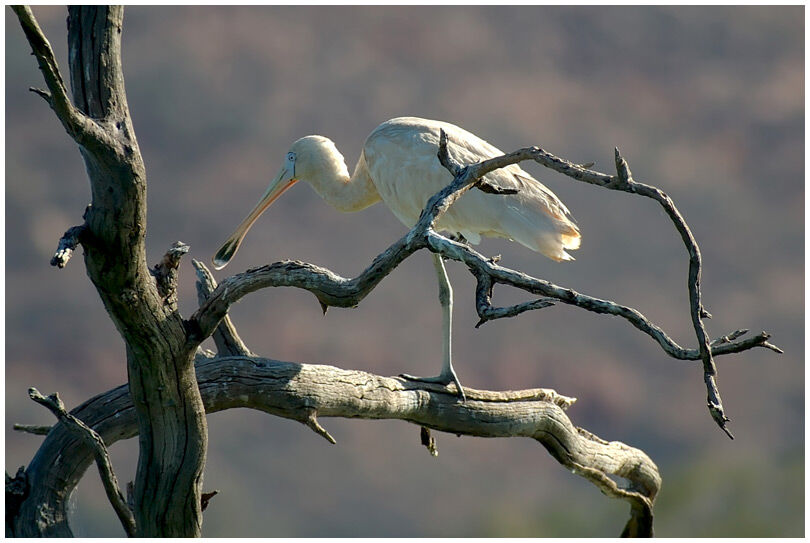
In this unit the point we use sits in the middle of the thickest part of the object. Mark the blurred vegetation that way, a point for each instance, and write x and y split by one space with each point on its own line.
705 102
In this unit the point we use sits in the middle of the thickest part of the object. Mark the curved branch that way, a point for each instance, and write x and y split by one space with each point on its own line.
301 392
624 181
484 267
332 289
697 311
96 444
225 337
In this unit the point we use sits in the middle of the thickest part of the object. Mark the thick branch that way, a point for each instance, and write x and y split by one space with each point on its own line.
298 391
225 336
94 441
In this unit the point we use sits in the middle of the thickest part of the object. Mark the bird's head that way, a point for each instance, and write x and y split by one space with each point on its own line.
306 160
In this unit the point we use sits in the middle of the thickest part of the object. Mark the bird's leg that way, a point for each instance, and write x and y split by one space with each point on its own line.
447 375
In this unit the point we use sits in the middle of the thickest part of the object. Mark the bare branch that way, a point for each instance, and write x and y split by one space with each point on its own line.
45 95
294 390
487 312
35 429
698 313
67 244
333 290
312 422
456 168
445 159
94 441
225 336
337 291
483 266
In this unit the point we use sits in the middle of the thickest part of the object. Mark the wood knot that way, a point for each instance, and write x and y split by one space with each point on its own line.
129 296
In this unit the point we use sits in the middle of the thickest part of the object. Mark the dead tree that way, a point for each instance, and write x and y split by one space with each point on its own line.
173 384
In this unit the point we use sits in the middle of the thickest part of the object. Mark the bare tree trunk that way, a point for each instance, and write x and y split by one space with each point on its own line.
170 413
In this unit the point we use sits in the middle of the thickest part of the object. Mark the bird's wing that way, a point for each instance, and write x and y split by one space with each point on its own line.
468 148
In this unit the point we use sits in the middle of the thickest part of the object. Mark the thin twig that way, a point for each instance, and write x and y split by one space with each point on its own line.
311 421
35 429
488 312
729 337
45 95
102 456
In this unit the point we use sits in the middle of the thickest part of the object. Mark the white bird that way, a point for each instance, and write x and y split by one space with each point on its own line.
399 165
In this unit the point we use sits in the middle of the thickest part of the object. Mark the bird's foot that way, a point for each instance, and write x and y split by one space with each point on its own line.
442 379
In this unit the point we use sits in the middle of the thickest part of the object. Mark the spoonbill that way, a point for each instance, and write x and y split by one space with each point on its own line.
399 165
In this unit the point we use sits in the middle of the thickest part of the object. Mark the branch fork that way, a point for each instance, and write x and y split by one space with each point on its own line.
332 290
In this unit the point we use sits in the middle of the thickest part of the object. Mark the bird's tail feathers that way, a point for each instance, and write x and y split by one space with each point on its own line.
551 236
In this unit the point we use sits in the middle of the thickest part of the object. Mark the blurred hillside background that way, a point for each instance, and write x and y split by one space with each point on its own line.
705 103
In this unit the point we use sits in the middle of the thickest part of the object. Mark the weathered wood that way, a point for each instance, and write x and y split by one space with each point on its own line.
171 418
225 337
99 450
67 244
299 391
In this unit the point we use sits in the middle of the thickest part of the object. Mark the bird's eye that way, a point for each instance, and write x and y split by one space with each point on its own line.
291 157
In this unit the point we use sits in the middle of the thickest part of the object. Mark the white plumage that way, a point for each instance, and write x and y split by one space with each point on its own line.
399 166
401 160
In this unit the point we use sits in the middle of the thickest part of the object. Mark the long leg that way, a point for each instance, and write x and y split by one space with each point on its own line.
447 374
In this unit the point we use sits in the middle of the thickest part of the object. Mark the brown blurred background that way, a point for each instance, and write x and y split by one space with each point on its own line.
705 103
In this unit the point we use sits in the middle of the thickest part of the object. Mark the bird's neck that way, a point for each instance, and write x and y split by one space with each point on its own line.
346 193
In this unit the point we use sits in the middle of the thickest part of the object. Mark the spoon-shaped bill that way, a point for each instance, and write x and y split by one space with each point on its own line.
281 183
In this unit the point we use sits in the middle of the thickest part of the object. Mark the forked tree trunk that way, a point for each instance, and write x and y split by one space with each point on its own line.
171 418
